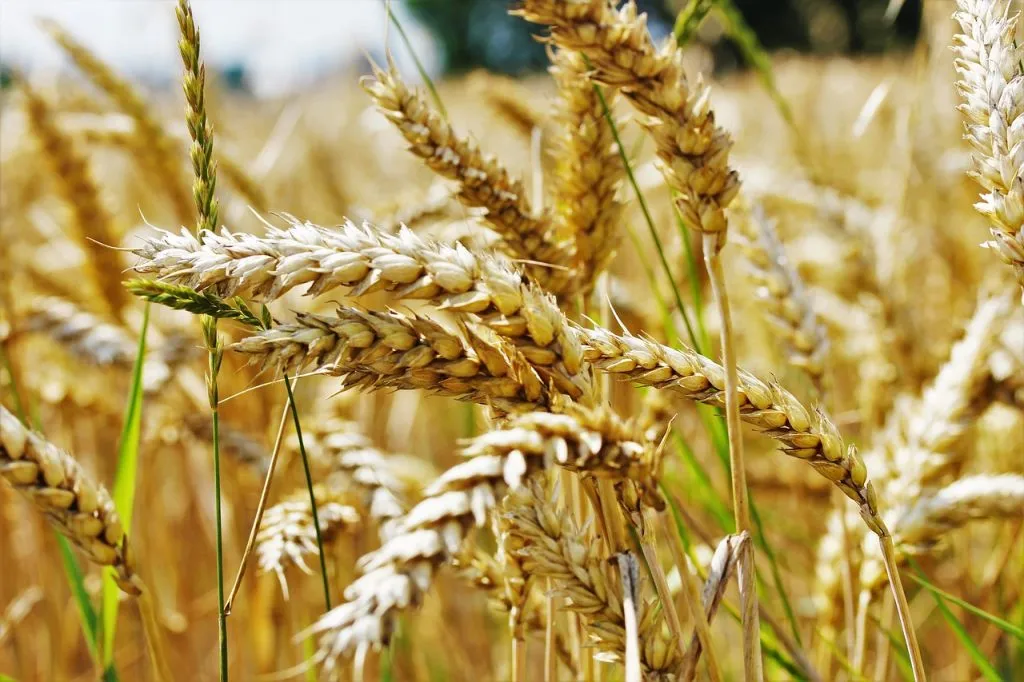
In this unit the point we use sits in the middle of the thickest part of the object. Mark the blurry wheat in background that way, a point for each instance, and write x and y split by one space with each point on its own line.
491 379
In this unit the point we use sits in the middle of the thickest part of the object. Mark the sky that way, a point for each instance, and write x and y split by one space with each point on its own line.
283 45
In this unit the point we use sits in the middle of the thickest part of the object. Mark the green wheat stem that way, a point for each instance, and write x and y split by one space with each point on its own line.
309 486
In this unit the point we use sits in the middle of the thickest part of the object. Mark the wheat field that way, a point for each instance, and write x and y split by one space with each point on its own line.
618 372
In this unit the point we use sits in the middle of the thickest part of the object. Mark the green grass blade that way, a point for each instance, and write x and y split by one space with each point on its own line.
689 20
755 55
76 581
427 80
124 484
309 487
984 667
6 678
1006 626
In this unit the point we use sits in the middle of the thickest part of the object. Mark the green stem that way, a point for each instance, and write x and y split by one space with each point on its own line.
309 486
646 211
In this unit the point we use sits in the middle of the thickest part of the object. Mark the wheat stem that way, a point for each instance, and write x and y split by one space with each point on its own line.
713 242
261 507
902 607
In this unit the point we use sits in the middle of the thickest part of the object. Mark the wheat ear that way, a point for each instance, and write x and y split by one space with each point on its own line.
160 159
553 547
694 152
287 536
588 170
399 573
74 503
338 447
92 221
93 339
483 182
464 282
991 84
781 289
391 350
921 525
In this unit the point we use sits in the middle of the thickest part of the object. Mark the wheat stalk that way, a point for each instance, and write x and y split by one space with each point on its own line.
988 61
435 530
74 503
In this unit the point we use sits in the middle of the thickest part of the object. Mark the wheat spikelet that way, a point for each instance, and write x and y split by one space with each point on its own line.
553 547
160 159
396 351
76 505
693 151
435 530
991 84
589 170
924 437
338 447
92 221
923 523
287 536
483 182
368 260
780 288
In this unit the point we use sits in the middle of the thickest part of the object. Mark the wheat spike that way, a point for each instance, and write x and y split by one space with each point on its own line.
337 446
395 351
588 172
287 536
483 182
93 339
434 531
551 546
92 221
74 503
991 84
780 288
922 524
694 152
160 158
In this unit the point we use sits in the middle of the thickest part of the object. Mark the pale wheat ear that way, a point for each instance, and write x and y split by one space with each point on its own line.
72 501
